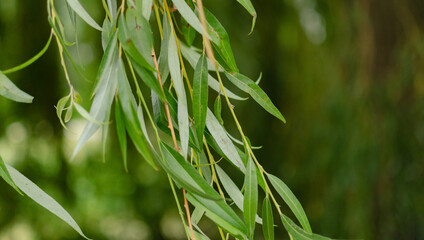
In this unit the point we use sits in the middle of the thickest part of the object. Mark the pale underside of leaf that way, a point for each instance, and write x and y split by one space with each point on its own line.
291 201
79 9
10 91
223 141
174 68
40 197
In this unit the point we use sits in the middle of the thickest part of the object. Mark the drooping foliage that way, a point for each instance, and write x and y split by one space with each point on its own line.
184 127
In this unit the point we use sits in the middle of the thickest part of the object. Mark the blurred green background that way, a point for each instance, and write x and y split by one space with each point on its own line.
347 75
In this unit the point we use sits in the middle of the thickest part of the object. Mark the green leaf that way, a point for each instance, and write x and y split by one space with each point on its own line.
68 114
200 97
59 108
298 233
291 201
233 191
188 15
149 79
120 129
249 7
221 214
146 8
217 109
250 203
250 87
10 91
268 220
85 114
193 57
196 215
104 92
76 6
221 41
163 58
223 141
188 32
40 197
132 122
185 175
174 68
4 173
136 39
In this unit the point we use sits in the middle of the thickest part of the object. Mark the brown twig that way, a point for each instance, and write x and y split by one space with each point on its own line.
174 139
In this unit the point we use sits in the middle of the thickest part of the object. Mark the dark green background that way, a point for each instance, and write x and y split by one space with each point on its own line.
347 75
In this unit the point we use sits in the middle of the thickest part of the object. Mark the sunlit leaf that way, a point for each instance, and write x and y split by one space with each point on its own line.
291 201
200 97
223 141
268 219
40 197
250 202
79 9
298 233
10 91
174 68
250 87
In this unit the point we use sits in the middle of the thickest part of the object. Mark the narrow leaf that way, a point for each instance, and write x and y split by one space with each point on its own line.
40 197
298 233
249 7
223 141
4 173
174 68
200 97
221 214
217 109
268 220
291 201
193 57
186 175
105 90
120 129
79 9
136 39
188 15
221 41
250 87
132 122
250 203
10 91
59 108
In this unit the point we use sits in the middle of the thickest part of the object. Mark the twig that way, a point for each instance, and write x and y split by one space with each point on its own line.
174 139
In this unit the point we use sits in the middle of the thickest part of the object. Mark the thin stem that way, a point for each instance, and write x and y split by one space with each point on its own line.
174 139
